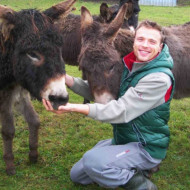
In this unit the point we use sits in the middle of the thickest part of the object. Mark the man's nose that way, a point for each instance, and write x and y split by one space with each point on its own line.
145 43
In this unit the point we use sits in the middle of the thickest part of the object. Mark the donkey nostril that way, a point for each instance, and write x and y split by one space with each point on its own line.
52 98
58 101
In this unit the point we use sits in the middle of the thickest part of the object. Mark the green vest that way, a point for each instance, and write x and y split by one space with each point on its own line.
150 128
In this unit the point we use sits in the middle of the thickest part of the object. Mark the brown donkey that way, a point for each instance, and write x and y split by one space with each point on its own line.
99 60
102 46
70 26
30 61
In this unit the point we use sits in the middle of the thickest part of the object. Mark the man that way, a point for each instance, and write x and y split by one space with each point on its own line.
139 117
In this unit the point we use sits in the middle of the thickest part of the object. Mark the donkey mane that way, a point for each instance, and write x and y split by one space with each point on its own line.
40 22
9 34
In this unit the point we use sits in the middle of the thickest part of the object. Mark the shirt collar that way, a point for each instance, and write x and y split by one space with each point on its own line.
131 58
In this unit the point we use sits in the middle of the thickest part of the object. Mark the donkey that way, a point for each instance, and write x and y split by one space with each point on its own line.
30 61
70 28
131 21
178 40
101 60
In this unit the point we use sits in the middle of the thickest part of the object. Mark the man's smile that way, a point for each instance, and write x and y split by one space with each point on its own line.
144 52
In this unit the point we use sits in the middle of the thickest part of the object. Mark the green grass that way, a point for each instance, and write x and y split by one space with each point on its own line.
162 15
44 4
64 139
166 15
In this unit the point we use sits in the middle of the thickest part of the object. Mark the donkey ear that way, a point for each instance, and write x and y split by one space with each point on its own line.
62 8
130 9
104 11
86 18
6 13
115 25
7 17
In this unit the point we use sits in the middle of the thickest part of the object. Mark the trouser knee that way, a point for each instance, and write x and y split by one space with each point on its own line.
91 163
73 175
78 174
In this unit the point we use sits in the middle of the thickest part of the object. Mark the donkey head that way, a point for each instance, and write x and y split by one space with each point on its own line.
33 45
107 14
99 60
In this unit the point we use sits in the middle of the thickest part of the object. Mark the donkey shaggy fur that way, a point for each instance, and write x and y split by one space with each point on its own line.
30 61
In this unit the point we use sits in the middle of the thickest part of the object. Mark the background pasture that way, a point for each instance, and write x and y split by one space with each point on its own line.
64 139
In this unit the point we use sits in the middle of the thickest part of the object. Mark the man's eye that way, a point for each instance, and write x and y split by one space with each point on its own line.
140 39
152 42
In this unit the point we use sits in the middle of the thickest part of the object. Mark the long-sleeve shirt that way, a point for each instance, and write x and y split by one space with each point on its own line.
150 92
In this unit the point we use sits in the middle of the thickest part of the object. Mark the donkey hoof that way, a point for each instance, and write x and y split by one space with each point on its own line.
11 171
33 158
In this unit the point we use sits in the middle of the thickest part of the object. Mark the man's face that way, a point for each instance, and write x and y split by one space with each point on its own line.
147 44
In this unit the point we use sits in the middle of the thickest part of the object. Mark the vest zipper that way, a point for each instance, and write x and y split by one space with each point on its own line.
140 137
129 74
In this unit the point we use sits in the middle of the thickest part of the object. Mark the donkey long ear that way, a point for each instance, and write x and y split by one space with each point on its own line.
115 25
7 17
86 19
130 9
6 13
62 8
104 11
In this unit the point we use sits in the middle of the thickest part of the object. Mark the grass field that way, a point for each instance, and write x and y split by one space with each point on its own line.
64 139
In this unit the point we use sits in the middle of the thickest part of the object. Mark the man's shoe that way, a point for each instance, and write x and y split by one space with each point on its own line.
139 182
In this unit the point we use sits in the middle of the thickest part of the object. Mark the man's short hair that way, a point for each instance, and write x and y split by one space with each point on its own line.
151 25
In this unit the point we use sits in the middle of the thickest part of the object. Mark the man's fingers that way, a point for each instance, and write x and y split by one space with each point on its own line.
49 105
45 104
61 109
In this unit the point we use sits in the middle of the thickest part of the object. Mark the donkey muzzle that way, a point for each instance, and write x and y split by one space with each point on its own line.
57 101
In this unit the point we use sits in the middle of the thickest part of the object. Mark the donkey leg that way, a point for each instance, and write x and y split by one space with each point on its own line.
31 117
8 132
8 129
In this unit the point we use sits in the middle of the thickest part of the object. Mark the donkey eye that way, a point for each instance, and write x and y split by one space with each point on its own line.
111 68
33 56
37 58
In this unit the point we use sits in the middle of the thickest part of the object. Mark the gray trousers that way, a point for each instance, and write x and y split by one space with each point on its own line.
111 166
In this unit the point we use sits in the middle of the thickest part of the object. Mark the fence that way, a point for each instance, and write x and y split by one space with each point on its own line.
158 2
